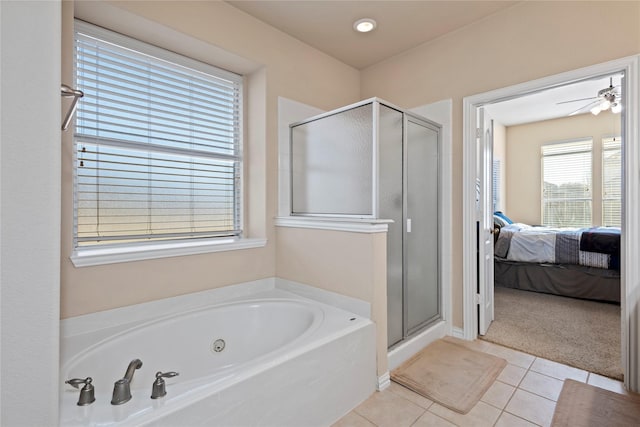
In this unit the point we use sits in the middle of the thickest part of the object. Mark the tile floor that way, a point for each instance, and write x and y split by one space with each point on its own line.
524 394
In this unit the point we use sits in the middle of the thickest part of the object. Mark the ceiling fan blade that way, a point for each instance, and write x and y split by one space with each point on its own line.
576 100
585 108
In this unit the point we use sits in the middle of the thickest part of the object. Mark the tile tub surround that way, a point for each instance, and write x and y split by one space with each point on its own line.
272 388
525 394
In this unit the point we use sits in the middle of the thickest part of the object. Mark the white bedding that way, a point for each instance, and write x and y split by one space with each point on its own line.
524 243
533 245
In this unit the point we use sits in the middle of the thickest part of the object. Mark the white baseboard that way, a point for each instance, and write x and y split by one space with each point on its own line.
457 332
384 381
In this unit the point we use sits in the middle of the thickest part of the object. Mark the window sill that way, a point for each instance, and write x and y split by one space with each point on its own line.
353 225
87 257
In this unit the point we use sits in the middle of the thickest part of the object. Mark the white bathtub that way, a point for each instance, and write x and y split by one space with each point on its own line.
287 360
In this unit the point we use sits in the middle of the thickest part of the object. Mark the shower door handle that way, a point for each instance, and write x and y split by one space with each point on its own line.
408 225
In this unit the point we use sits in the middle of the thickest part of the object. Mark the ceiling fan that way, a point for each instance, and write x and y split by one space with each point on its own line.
607 98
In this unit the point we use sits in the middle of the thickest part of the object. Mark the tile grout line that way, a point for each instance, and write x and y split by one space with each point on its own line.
422 415
410 401
516 388
533 392
419 416
527 391
363 416
424 410
517 416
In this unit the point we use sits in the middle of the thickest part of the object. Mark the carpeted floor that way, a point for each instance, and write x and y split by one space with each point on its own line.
579 333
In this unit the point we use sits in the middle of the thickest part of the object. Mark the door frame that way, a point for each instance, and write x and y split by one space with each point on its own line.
630 244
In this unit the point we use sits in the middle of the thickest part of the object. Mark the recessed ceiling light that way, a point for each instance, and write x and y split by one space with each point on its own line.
364 25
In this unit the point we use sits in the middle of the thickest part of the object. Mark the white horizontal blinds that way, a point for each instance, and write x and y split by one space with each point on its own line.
158 143
566 184
496 185
612 182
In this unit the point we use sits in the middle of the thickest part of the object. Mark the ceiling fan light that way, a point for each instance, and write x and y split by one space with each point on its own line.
616 107
604 105
596 110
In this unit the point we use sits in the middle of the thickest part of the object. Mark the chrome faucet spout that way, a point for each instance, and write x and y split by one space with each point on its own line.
133 365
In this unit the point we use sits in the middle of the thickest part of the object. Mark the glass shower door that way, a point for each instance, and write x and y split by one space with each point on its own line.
422 290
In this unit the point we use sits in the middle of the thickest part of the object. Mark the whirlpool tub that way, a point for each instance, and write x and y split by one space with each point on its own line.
269 357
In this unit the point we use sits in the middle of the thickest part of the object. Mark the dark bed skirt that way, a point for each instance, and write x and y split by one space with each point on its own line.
559 279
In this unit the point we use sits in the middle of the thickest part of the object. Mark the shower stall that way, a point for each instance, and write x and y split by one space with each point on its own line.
373 160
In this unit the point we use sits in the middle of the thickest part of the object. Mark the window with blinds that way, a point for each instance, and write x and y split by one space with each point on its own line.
496 185
158 140
612 182
567 184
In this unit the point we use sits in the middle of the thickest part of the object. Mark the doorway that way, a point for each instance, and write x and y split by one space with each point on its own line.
473 284
556 174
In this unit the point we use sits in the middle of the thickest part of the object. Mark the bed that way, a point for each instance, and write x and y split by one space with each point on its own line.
579 263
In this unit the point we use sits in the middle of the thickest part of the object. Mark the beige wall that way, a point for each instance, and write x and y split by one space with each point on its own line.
527 41
352 264
275 65
524 144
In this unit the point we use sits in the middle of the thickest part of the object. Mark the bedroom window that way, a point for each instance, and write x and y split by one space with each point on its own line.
158 145
611 182
496 185
566 184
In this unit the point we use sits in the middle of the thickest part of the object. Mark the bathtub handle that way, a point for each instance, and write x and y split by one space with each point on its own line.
87 393
159 388
166 374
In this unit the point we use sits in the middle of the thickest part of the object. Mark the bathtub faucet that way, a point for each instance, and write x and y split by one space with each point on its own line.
122 387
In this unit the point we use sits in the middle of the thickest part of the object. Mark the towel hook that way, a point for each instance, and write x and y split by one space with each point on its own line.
68 92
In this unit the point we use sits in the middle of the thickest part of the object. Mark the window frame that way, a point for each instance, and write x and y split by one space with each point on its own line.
140 250
604 198
542 178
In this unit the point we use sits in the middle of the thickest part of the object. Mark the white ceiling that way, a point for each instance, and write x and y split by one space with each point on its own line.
328 25
545 105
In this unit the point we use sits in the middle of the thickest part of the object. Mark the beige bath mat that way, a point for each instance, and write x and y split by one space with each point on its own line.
450 374
583 405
